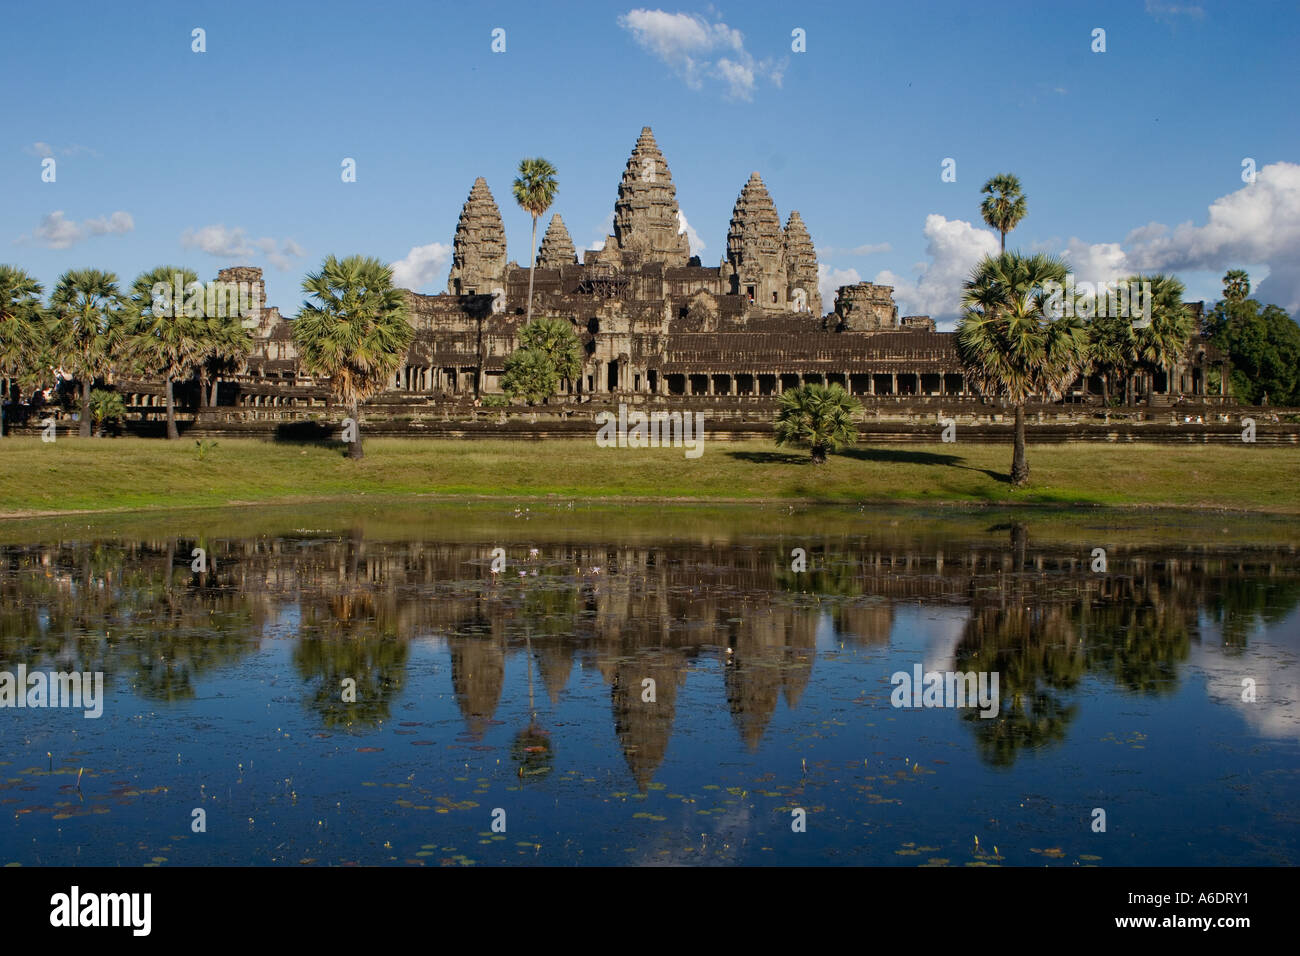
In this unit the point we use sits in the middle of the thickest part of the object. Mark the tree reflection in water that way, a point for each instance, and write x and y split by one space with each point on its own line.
634 612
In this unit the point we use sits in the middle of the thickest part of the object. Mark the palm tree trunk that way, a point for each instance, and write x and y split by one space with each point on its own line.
1105 389
171 413
83 431
4 397
532 265
203 387
1019 466
216 383
819 454
354 448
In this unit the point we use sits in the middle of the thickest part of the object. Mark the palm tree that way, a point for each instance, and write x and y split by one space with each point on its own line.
1008 343
227 344
555 339
20 328
85 329
167 341
1113 349
105 407
1005 206
355 332
535 190
530 375
819 416
1163 343
1236 285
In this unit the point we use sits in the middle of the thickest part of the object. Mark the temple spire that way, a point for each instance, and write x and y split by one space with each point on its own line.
647 222
478 262
557 247
756 247
801 266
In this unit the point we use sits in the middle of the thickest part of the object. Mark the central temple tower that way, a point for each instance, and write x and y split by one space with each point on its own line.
647 223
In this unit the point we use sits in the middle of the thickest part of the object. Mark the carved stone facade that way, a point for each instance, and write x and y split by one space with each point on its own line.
866 307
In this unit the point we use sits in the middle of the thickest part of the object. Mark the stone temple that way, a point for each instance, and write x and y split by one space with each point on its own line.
653 321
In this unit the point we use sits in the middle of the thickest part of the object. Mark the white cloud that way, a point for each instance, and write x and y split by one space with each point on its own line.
422 265
688 44
225 243
1256 225
828 280
693 237
954 247
59 232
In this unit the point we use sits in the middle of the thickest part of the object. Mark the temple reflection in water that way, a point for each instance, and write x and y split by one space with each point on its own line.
354 608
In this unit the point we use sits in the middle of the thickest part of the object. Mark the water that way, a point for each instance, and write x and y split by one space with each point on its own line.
521 696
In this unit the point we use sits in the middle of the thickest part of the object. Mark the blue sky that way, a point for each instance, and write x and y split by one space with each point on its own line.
232 156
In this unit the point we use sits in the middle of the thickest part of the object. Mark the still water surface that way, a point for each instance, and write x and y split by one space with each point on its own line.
526 690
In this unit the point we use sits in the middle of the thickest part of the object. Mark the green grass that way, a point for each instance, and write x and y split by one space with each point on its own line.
141 474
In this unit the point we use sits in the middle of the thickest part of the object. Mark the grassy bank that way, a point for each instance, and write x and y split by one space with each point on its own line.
127 474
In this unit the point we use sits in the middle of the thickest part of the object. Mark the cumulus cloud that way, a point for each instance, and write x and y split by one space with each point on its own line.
422 265
699 51
828 280
59 232
1258 224
693 237
954 246
225 243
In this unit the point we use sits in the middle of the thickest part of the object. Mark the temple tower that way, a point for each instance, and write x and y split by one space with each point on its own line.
557 247
866 307
647 224
801 267
478 261
756 248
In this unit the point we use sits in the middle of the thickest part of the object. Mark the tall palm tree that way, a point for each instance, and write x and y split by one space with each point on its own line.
1163 343
87 310
555 339
535 190
1005 206
819 416
168 341
1236 285
355 331
1010 346
20 329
